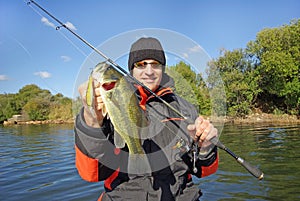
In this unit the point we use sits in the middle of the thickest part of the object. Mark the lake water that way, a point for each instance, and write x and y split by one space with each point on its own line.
37 163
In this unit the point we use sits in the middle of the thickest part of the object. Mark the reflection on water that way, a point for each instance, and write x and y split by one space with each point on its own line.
274 149
37 163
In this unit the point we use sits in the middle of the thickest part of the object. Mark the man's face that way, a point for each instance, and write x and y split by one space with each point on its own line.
148 72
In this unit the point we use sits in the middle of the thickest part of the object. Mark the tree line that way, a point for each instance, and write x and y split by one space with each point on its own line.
265 76
35 104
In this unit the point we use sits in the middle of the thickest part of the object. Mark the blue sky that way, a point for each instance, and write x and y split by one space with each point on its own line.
33 52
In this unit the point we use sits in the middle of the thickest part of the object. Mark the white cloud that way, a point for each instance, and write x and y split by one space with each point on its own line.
196 48
47 22
3 78
43 74
70 25
191 50
185 55
65 58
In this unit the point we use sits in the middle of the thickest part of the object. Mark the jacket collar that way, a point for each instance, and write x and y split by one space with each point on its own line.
166 87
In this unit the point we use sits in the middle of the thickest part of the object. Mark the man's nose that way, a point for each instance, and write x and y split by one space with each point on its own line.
149 69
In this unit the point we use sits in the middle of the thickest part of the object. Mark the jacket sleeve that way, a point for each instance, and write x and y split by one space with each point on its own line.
206 163
94 150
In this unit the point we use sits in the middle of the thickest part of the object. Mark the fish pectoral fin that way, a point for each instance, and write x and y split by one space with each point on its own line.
118 140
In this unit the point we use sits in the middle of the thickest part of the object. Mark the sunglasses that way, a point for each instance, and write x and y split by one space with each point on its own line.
143 65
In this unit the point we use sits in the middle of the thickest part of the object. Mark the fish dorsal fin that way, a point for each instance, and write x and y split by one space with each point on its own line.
118 140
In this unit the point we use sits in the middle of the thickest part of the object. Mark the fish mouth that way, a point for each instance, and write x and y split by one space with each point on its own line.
109 86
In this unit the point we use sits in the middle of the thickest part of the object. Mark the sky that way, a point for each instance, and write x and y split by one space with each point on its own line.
34 52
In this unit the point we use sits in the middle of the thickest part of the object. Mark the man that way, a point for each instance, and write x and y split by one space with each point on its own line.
95 144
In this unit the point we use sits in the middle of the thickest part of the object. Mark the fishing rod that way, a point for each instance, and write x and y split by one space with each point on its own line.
250 168
114 64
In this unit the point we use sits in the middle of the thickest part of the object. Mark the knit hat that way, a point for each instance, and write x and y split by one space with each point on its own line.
146 48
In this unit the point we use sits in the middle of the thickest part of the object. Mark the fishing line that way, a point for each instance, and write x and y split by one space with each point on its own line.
115 65
118 68
74 45
58 28
22 46
253 170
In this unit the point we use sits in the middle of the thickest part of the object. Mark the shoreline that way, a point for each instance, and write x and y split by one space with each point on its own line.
57 121
262 118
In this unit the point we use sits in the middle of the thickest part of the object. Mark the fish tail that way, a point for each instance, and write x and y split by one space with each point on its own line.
138 165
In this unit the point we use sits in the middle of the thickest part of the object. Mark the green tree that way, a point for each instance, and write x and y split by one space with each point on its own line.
7 106
76 105
275 55
36 103
216 90
37 109
60 107
191 86
239 80
29 92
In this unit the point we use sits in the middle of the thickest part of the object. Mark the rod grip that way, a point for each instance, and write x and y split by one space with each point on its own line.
252 169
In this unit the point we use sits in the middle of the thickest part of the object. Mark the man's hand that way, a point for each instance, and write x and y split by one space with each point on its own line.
202 131
92 116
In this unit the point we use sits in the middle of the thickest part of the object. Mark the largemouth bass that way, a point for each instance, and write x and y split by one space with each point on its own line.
123 109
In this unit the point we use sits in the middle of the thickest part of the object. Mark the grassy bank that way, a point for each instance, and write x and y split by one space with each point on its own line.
264 118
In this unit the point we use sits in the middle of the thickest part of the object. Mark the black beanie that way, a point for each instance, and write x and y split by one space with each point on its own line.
146 48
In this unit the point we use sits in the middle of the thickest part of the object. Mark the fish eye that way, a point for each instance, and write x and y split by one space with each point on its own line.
108 86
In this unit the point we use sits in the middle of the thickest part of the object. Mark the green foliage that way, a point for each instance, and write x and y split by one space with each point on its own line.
7 106
184 79
265 74
239 81
37 109
60 108
190 86
36 103
276 57
29 92
76 105
215 87
61 112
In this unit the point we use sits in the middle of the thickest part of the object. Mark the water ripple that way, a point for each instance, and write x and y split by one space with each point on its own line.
37 163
